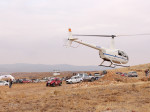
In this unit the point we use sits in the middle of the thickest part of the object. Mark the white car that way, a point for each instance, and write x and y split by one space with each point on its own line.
4 83
36 80
74 79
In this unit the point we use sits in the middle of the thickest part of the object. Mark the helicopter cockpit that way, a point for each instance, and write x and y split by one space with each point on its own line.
121 53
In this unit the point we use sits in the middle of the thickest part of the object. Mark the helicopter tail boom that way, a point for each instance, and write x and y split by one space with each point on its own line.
88 45
71 39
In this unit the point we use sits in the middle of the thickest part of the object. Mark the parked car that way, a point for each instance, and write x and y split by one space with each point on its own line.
98 76
74 79
43 80
104 72
54 82
119 73
86 77
68 77
63 79
26 81
4 83
36 80
122 74
125 74
132 74
18 81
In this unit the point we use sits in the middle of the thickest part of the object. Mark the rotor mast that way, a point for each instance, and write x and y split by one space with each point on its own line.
112 44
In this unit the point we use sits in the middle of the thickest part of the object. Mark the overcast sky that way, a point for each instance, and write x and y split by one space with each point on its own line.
33 31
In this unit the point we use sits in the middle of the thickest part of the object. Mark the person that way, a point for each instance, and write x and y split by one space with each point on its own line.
10 83
147 72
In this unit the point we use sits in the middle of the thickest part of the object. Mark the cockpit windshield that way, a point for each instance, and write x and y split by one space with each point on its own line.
121 53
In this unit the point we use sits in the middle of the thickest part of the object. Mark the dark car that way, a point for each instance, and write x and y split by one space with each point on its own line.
122 74
54 82
132 74
119 73
104 72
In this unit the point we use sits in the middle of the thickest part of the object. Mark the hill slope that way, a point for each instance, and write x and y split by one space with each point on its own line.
21 67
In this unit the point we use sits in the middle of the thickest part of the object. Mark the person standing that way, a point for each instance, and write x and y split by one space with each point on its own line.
147 72
10 83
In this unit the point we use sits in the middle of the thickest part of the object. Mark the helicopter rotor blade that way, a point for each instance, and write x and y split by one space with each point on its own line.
96 35
133 35
112 35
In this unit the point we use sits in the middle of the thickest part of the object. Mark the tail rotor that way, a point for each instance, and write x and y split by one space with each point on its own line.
68 42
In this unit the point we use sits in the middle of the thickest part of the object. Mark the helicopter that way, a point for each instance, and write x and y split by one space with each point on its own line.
114 56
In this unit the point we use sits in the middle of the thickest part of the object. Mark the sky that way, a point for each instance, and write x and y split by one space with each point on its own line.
33 31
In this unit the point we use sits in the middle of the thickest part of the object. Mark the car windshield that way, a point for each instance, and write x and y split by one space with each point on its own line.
73 77
85 75
97 74
80 75
51 79
121 53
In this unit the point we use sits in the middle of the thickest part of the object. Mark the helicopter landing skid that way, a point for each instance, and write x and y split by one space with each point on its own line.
121 65
112 65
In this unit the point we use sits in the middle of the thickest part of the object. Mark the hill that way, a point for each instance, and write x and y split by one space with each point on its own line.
22 67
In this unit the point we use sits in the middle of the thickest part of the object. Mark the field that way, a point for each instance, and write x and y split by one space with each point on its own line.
112 93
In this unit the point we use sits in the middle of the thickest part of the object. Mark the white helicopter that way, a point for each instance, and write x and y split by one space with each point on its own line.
116 57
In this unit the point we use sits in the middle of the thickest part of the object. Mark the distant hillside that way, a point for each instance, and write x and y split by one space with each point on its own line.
21 67
138 68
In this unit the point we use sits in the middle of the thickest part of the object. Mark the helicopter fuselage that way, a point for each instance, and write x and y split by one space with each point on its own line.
114 55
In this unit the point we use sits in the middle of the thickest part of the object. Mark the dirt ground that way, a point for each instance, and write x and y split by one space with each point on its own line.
98 96
112 93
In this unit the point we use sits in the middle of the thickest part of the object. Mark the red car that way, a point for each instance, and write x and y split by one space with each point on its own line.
54 82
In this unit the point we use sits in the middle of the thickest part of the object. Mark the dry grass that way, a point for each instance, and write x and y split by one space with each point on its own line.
84 97
113 93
